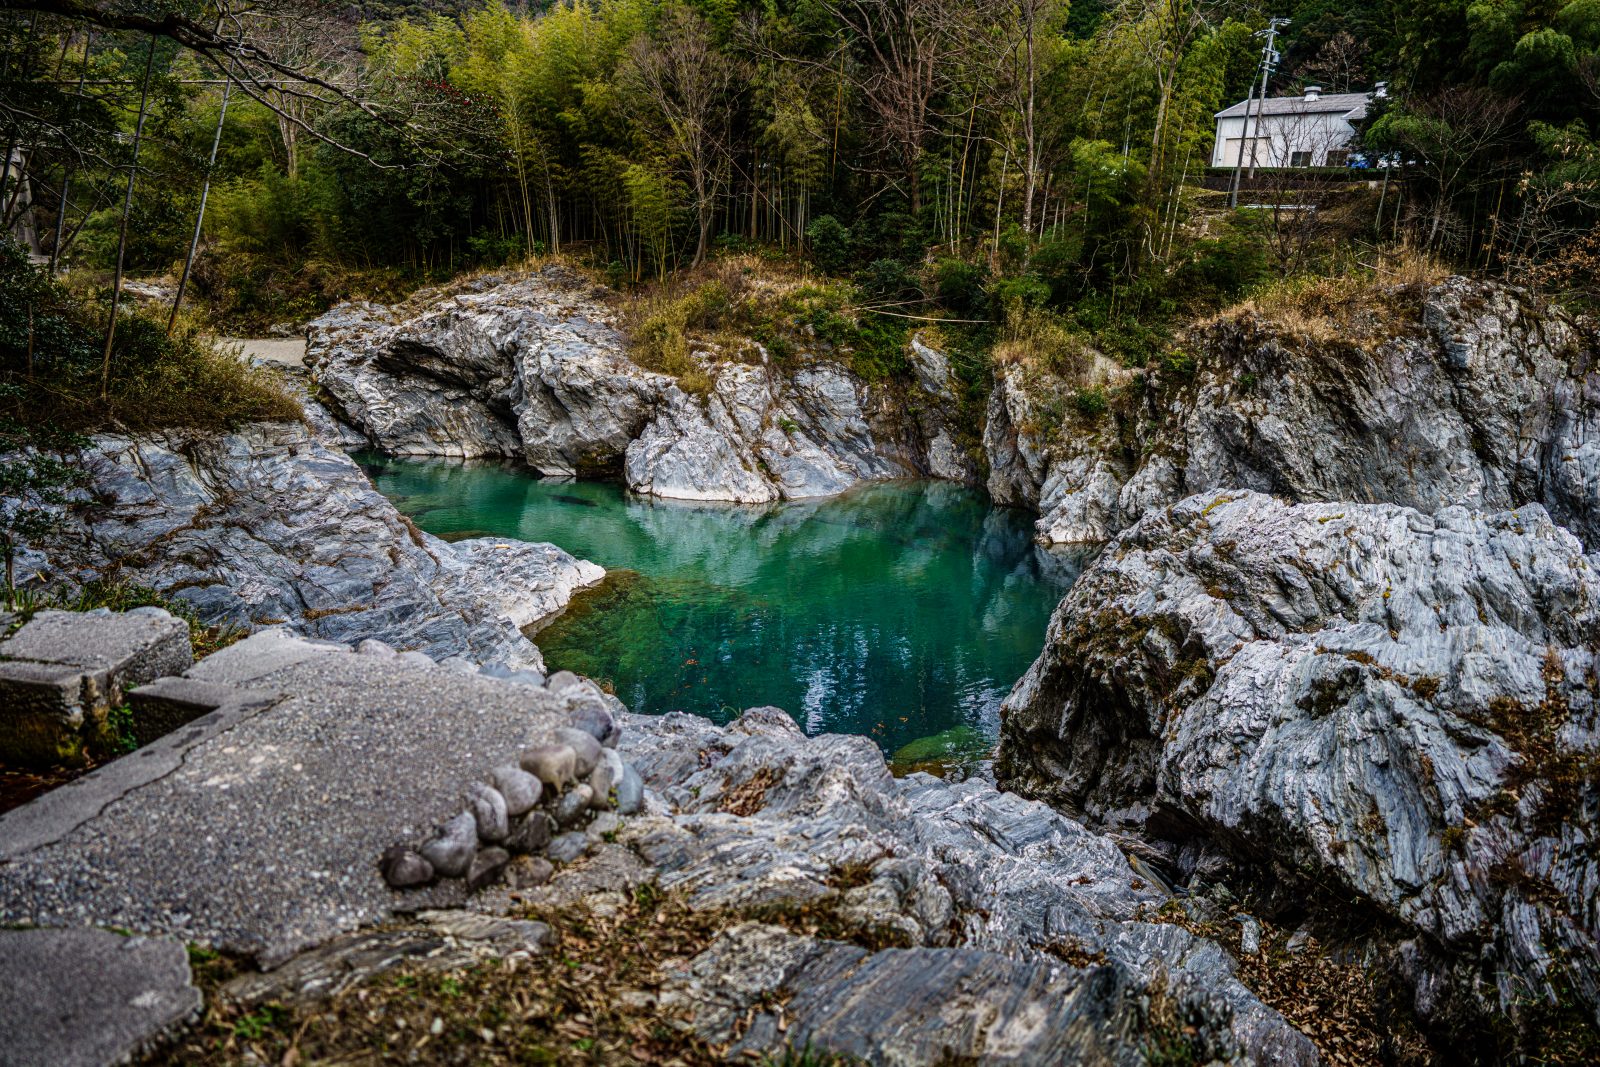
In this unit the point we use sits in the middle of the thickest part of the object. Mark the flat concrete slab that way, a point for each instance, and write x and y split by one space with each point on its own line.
258 827
85 998
141 645
63 671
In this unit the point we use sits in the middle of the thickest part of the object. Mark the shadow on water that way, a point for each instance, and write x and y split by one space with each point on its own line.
904 611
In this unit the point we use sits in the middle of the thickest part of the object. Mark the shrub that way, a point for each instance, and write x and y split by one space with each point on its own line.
889 279
830 243
51 353
1091 402
962 286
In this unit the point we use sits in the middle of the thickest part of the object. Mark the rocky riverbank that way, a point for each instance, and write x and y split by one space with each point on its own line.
537 368
833 906
1463 392
274 525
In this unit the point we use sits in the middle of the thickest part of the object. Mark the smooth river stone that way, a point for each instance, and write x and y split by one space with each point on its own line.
572 807
451 851
402 868
488 809
554 765
520 789
630 791
584 745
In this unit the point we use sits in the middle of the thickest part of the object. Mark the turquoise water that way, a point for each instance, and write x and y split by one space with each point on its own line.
899 611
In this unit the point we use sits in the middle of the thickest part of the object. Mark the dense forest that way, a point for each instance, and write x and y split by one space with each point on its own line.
949 158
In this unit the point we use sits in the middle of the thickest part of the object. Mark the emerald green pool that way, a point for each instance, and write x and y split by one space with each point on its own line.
899 611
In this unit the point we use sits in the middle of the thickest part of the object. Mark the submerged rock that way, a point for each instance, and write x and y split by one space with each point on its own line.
1368 701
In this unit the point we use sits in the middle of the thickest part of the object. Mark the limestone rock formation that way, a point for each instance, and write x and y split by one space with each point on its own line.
270 526
535 368
985 893
1366 701
1465 392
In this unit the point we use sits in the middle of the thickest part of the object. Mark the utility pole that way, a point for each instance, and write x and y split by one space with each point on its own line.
1269 63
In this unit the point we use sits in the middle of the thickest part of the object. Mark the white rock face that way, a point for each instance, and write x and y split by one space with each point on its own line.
1481 397
535 368
272 526
1369 700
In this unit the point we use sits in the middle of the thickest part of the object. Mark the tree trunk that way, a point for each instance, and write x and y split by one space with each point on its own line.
122 228
200 213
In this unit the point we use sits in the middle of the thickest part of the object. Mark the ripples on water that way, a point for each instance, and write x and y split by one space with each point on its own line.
899 611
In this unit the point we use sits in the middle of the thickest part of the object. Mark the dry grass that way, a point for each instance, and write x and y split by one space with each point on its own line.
590 998
1336 1004
1357 306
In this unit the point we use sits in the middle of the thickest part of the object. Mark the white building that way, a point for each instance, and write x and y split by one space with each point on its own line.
1314 130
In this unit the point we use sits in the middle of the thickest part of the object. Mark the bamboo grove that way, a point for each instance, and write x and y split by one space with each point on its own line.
1064 147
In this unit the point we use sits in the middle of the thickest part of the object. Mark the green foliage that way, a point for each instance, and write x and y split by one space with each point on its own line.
1091 402
962 286
830 243
51 366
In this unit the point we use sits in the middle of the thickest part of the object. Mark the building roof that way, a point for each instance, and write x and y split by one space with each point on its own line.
1351 105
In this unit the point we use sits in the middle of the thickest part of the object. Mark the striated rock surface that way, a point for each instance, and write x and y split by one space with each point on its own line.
1461 393
270 526
535 368
985 896
1367 702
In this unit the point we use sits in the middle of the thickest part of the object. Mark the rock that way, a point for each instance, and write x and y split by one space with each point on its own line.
535 367
603 824
607 774
519 788
241 525
574 805
402 868
568 847
1249 935
86 998
563 680
459 664
416 659
585 748
373 647
1377 703
530 872
488 809
1480 395
981 894
630 791
486 868
451 849
553 765
529 678
531 834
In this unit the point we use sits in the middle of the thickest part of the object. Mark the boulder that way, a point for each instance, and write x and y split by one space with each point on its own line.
1364 701
536 367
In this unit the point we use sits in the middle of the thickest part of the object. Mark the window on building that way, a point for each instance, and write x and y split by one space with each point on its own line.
1299 159
1339 158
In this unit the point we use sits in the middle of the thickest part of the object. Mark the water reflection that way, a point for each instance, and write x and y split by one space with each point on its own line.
898 611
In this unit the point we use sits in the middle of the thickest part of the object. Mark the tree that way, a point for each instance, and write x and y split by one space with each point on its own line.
684 83
1459 138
